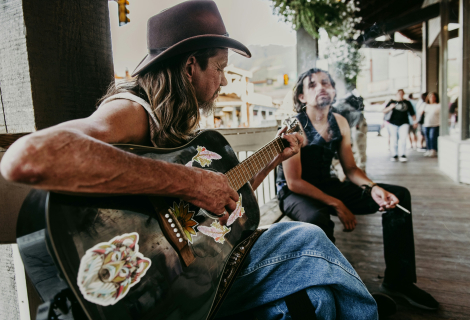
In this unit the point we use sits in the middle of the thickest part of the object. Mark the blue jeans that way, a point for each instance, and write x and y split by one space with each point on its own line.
431 134
293 256
398 137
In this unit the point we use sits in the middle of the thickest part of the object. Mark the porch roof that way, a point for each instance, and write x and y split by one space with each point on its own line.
404 16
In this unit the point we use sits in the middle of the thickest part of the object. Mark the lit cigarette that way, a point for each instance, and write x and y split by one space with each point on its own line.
403 209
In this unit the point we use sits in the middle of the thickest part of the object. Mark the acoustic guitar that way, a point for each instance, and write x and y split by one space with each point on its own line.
143 257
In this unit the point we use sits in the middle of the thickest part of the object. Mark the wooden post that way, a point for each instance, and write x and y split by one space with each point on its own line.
307 51
464 93
443 68
424 58
55 63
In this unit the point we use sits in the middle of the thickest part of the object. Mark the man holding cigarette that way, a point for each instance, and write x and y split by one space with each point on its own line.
308 192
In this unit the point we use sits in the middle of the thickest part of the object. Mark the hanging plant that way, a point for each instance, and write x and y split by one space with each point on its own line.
346 57
336 17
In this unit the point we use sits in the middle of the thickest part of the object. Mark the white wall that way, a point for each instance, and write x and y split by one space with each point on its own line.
454 158
464 162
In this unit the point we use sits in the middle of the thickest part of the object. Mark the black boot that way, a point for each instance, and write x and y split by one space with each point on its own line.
414 295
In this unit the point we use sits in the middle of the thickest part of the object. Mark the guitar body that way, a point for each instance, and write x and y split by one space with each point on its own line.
122 255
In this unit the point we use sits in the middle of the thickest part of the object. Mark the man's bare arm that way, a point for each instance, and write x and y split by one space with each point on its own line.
346 157
295 142
293 173
76 157
383 198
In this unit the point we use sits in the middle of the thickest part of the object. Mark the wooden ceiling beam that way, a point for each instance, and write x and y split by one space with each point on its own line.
415 46
391 26
388 9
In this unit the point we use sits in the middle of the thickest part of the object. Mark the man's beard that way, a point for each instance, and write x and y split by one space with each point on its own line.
322 103
208 107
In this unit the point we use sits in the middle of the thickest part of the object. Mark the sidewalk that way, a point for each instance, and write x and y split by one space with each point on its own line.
441 220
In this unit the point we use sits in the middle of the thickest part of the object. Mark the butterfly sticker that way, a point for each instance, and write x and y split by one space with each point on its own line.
216 231
204 157
237 213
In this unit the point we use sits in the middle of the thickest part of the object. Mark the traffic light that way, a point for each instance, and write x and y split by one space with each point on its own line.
286 79
123 12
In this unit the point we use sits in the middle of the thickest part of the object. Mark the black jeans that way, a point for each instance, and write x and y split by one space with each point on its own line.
397 225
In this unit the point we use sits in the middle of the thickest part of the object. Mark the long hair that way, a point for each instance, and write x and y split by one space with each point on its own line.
428 98
172 98
299 87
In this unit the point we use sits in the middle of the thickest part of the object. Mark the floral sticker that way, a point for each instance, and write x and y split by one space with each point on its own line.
216 231
109 269
238 213
204 157
185 219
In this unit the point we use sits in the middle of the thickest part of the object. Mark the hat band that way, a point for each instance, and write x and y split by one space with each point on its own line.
160 50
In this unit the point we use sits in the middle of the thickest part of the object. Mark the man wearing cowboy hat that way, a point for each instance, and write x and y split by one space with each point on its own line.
181 76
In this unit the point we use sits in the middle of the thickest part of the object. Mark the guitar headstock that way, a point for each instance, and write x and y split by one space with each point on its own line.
293 125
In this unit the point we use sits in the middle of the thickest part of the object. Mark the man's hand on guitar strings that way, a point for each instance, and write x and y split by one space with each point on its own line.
211 191
295 143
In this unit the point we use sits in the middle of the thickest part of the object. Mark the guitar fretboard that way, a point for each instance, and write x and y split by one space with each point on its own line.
248 168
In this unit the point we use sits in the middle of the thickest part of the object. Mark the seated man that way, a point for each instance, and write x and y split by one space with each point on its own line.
180 77
309 193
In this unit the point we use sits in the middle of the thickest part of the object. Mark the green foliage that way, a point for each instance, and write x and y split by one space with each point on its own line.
346 58
337 18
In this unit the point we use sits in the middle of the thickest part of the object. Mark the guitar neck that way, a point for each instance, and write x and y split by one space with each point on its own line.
248 168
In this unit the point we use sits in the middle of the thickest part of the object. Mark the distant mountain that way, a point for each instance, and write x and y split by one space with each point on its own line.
267 62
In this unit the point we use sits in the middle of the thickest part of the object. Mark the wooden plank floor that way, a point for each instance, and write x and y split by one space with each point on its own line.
441 220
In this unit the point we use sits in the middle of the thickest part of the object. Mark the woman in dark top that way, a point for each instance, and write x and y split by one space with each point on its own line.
308 192
396 113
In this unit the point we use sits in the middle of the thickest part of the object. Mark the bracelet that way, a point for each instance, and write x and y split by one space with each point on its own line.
368 188
371 184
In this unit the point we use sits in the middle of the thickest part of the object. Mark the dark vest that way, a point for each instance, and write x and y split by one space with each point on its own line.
317 155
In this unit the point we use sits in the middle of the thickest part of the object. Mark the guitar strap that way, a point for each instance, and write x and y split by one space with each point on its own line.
232 268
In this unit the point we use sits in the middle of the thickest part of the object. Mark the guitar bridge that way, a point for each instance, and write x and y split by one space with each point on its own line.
172 230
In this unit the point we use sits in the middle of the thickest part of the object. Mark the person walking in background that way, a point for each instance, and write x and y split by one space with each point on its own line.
432 118
413 135
420 130
396 113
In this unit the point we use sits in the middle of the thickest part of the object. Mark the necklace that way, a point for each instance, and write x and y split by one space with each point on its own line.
319 133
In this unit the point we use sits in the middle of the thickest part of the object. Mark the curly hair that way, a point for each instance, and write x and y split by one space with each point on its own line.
299 87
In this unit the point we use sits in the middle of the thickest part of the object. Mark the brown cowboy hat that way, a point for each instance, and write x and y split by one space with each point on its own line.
188 26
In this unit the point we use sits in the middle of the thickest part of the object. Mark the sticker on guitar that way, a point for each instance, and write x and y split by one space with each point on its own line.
238 213
204 157
216 231
109 269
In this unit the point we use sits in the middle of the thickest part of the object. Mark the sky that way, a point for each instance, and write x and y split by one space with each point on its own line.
251 22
